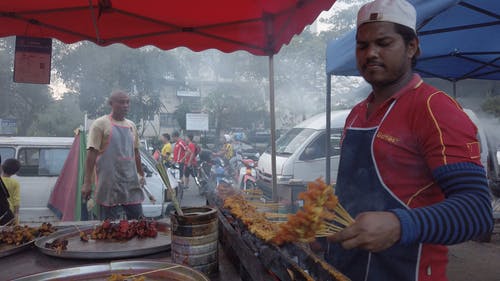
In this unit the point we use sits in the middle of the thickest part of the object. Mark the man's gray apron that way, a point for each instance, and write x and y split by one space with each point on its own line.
360 188
117 181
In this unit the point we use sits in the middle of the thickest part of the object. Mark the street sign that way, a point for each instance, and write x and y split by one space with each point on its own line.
8 126
196 121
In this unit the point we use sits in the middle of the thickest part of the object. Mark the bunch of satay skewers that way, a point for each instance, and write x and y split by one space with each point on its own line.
255 221
17 235
321 216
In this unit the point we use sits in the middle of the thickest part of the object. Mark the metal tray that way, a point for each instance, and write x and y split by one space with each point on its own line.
102 249
6 250
172 272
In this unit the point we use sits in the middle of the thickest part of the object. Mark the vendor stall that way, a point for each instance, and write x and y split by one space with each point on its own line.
241 252
262 259
30 260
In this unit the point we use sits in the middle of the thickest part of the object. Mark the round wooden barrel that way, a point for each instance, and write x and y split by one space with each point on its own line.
195 238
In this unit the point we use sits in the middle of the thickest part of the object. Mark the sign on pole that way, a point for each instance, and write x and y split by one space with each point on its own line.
32 61
196 121
8 126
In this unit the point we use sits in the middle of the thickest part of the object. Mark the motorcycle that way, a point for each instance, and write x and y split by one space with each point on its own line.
203 172
174 177
245 173
220 173
248 174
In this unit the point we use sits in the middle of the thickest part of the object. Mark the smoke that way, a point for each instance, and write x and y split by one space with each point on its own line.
471 94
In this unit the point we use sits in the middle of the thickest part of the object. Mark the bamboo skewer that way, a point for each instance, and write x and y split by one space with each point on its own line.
77 228
275 215
266 204
333 227
344 214
253 196
11 221
164 177
151 271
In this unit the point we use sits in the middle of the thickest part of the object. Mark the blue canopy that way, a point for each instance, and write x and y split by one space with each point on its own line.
458 40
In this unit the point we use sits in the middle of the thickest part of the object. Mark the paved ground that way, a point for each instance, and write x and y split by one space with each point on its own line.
477 261
469 261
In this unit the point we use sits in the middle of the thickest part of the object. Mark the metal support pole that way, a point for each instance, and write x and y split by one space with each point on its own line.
328 127
273 128
454 89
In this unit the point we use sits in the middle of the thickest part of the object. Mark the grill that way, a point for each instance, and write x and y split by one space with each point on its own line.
259 261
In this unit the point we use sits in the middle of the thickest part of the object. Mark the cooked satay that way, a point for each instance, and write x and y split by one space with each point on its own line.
123 230
248 214
18 235
321 215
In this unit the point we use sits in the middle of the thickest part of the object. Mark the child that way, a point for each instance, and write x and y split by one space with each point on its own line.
9 168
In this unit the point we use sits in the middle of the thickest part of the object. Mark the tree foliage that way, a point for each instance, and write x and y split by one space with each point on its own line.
240 81
180 114
94 72
235 105
17 100
492 105
60 118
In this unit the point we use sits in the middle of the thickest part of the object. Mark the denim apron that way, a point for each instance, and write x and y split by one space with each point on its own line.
360 188
117 180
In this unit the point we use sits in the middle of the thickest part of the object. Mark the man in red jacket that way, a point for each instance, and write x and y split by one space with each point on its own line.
410 170
180 148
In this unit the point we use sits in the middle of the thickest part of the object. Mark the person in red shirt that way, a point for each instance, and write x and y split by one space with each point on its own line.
190 162
410 170
179 156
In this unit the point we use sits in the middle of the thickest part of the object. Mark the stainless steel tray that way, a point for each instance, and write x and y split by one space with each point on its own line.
102 249
6 250
172 272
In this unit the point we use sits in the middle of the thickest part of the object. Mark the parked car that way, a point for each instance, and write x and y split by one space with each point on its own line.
42 159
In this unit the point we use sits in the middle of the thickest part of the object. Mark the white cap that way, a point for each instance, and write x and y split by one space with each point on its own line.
396 11
227 138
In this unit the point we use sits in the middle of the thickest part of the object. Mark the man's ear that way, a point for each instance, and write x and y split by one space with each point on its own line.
414 48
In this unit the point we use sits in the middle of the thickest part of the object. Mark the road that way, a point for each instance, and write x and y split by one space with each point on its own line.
477 261
468 261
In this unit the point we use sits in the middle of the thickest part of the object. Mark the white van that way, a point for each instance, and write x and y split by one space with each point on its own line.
42 159
300 152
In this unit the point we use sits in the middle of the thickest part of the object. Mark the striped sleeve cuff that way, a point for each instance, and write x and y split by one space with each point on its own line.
464 214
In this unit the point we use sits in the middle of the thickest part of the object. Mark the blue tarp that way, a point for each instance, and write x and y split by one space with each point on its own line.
458 40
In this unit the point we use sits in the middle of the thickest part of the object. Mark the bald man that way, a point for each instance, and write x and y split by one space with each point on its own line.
113 157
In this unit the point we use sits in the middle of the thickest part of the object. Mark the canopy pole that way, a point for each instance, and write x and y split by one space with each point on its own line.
328 127
455 89
94 22
273 129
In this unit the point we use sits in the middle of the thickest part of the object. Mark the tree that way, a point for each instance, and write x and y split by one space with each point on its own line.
94 72
180 114
59 119
492 105
18 100
235 105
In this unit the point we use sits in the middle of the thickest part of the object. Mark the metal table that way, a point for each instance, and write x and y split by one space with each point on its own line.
32 261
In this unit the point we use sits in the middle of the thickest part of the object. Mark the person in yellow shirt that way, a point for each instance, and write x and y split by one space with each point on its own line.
166 150
9 168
